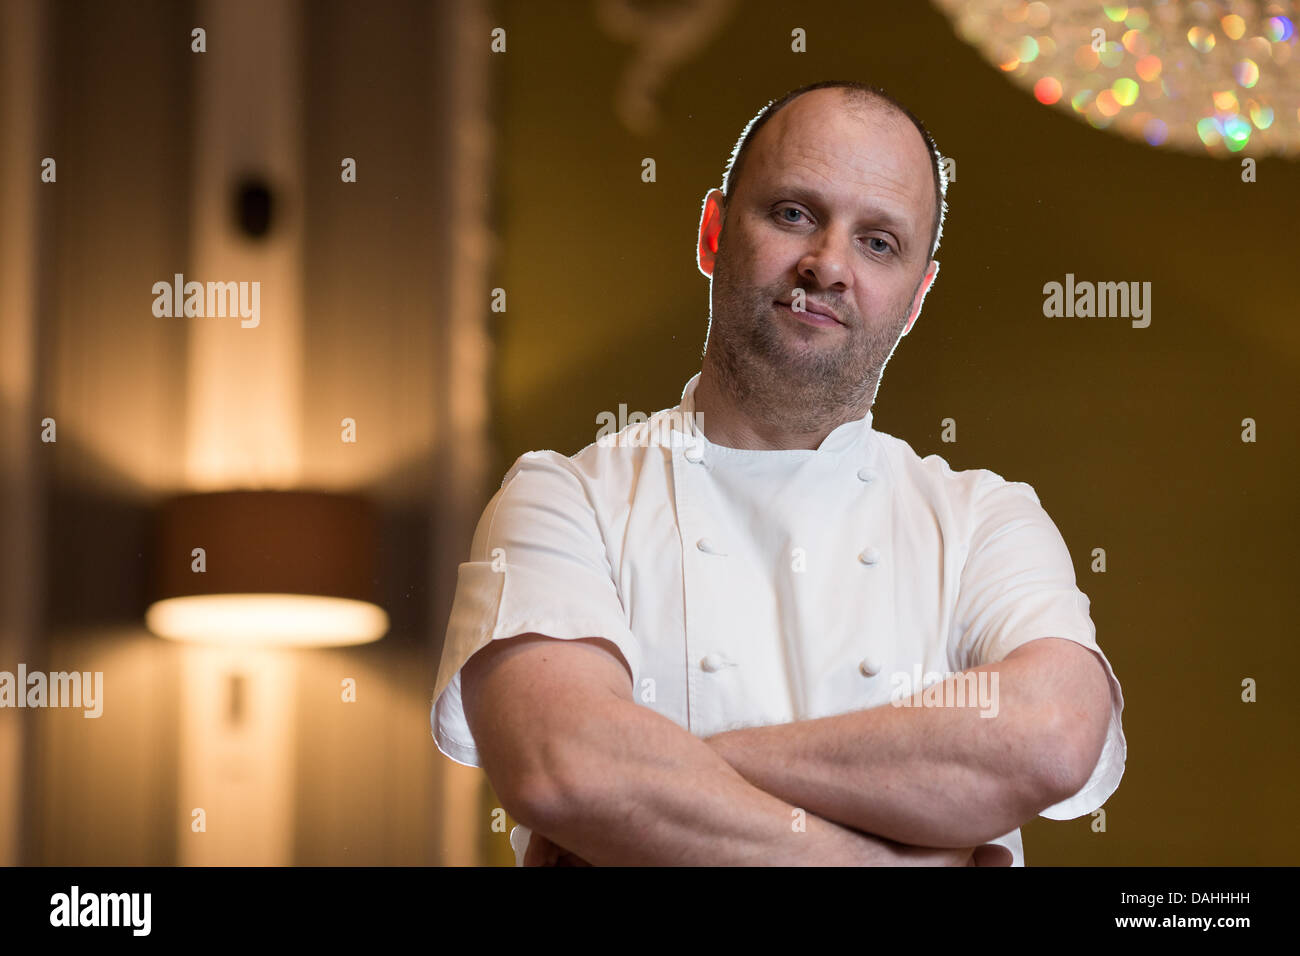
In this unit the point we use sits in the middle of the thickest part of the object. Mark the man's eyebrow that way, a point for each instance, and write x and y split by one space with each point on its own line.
873 212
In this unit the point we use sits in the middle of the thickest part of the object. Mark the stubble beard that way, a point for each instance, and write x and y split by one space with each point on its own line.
793 382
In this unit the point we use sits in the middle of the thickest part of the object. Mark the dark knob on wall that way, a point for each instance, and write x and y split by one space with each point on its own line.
254 207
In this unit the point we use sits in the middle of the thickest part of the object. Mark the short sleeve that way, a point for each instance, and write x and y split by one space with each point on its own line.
1018 585
538 564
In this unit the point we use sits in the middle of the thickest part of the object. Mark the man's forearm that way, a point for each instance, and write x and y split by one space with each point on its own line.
923 775
655 794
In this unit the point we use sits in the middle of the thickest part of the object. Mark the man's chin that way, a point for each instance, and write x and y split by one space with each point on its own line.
793 365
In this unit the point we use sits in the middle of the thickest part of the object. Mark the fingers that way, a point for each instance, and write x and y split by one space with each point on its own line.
541 852
571 859
991 854
544 852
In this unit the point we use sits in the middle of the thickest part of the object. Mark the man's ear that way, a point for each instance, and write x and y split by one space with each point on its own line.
927 281
710 230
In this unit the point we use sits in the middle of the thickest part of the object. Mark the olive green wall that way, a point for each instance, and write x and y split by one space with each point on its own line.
1130 436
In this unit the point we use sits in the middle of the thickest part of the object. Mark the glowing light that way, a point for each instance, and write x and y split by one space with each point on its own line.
1135 43
1258 48
278 620
1261 116
1038 14
1236 133
1233 26
1246 72
1112 54
1235 85
1047 90
1201 39
1149 67
1125 91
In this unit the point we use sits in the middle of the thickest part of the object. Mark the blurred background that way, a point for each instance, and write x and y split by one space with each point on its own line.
460 261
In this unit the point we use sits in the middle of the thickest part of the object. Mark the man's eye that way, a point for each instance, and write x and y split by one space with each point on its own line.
884 244
783 211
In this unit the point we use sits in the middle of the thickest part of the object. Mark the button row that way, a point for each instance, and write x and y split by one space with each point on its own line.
711 663
708 547
870 557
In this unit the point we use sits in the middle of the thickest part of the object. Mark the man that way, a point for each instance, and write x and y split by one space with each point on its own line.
707 649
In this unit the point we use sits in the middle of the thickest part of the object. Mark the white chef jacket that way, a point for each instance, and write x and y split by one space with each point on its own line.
750 587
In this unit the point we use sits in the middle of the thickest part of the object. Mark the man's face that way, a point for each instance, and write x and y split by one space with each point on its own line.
837 201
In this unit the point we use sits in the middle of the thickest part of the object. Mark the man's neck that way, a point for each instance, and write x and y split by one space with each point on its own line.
724 422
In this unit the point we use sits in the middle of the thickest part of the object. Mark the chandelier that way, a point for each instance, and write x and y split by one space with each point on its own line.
1203 76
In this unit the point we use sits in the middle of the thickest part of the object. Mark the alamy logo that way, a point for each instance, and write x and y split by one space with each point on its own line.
1126 300
218 299
102 909
56 689
949 689
668 430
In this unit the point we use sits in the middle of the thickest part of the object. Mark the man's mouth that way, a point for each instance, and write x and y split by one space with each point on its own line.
813 314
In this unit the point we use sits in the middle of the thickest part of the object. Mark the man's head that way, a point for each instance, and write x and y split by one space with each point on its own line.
840 203
859 94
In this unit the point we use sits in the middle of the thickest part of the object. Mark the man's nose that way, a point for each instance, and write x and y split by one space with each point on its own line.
826 261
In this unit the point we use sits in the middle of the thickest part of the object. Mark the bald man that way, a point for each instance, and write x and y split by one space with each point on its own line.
754 629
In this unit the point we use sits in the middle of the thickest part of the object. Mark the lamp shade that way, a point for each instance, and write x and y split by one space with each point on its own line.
288 568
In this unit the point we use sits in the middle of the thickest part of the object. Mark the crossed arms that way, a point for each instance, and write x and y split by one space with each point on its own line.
575 758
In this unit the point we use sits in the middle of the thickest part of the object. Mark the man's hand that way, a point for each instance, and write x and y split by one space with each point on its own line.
991 854
612 783
942 776
544 852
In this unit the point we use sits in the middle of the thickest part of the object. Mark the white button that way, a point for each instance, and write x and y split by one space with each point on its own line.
867 475
711 662
870 556
694 454
708 547
870 666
